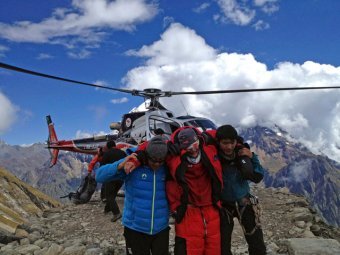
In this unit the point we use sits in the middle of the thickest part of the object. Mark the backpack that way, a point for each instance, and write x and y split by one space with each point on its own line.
84 192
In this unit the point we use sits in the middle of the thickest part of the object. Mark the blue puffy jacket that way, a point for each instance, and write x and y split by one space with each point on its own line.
235 186
146 207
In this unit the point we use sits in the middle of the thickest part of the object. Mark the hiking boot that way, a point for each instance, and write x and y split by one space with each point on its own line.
116 217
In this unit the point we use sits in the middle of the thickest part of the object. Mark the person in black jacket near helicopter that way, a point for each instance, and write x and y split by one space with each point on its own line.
239 166
111 188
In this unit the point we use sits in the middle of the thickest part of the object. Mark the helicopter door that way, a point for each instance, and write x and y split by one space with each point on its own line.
160 123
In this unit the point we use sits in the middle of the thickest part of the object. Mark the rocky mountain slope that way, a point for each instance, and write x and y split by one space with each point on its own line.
289 225
290 164
19 202
31 164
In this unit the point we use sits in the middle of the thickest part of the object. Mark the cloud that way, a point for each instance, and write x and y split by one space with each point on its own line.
201 8
267 6
82 54
174 47
42 56
237 13
312 117
243 13
300 170
261 25
85 134
3 49
120 100
84 22
8 113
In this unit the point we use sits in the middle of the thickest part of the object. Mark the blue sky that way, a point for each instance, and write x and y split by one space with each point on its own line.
172 45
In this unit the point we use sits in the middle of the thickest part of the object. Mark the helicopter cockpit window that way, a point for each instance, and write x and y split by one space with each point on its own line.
157 123
201 124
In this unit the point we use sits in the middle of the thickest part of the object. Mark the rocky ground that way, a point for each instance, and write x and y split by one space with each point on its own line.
290 227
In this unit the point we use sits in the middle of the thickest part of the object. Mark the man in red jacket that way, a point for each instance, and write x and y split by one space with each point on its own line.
193 193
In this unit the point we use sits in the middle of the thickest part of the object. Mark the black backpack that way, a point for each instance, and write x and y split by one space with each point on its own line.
85 191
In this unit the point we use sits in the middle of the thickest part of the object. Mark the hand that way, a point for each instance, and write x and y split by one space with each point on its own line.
245 152
173 148
180 213
131 163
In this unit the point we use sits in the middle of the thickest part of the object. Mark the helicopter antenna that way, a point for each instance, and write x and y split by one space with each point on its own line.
184 107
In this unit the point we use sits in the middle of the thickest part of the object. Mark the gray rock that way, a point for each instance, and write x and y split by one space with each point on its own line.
54 249
315 229
74 250
93 251
303 216
312 246
27 249
24 241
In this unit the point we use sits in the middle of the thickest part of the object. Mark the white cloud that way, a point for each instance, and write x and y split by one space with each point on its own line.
312 117
8 113
300 170
42 56
175 46
267 6
85 21
243 13
3 49
235 11
82 54
261 25
120 100
167 21
85 134
202 7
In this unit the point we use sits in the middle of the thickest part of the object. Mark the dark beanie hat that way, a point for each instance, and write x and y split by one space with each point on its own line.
157 147
186 137
226 132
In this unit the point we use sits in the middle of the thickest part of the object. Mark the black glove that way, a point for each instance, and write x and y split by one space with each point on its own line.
173 148
141 156
246 167
180 213
208 139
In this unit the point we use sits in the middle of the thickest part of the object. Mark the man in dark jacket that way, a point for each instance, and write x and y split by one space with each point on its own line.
239 166
111 188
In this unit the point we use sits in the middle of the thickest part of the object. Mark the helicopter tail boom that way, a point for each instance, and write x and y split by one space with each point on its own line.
52 140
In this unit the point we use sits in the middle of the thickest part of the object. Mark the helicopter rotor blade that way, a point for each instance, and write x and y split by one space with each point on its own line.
230 91
156 93
22 70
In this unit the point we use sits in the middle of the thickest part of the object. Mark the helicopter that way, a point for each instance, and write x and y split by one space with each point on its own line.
137 127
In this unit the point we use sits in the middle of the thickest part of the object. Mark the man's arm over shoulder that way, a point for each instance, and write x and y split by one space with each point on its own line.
110 172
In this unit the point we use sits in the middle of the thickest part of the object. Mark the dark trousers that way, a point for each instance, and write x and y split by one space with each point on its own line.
138 243
253 234
111 189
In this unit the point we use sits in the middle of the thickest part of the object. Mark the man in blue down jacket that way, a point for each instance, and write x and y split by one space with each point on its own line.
146 210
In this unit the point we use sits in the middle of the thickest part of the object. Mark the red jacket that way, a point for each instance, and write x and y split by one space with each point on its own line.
187 182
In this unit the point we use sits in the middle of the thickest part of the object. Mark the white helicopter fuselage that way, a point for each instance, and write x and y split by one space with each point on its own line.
143 128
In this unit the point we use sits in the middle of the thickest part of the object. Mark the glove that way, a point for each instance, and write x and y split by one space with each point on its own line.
180 213
208 139
141 156
173 148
